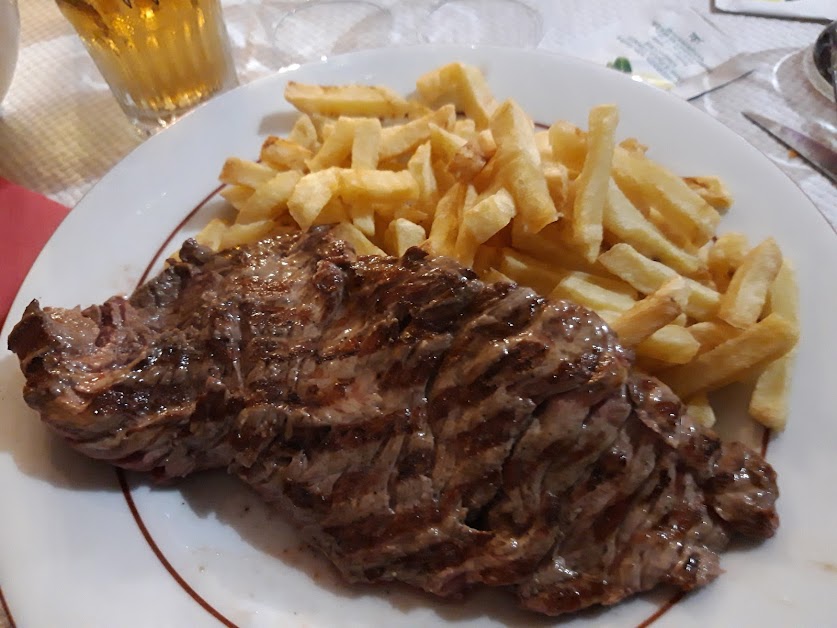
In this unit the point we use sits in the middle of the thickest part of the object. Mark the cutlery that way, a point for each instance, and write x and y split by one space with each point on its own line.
820 156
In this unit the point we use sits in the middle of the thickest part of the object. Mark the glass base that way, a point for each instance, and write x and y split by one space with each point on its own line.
147 123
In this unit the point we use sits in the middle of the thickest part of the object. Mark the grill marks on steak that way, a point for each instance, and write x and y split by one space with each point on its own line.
415 423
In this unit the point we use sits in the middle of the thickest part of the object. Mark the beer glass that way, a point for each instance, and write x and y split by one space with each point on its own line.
159 57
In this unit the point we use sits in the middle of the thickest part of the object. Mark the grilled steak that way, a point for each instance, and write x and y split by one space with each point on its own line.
415 423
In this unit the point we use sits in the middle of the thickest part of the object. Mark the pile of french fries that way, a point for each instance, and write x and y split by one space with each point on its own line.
571 213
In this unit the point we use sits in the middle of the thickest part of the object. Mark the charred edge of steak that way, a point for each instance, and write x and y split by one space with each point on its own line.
416 424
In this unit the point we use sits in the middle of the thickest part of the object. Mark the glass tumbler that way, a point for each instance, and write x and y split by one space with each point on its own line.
159 57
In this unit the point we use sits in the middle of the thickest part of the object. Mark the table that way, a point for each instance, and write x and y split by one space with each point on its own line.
61 131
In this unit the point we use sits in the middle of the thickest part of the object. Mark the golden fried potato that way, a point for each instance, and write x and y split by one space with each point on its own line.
744 299
625 223
712 190
520 167
282 154
347 100
667 193
651 313
311 194
592 184
647 276
270 198
757 345
464 86
403 234
242 172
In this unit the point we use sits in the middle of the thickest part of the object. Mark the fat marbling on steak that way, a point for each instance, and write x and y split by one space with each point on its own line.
414 422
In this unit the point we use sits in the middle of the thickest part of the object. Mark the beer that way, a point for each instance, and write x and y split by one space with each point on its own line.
159 57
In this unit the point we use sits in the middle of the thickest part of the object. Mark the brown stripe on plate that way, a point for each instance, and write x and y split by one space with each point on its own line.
765 441
665 608
126 493
177 229
5 607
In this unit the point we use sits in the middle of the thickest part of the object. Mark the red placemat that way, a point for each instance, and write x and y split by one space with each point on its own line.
27 220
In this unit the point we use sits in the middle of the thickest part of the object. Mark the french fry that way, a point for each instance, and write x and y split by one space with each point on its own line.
413 214
769 402
270 198
633 146
550 246
783 297
486 142
592 292
700 410
758 344
671 344
465 128
480 221
712 190
403 138
528 271
520 167
304 133
569 145
336 148
627 224
543 145
668 193
492 275
311 194
464 85
487 179
354 236
238 234
558 183
468 162
710 334
445 227
403 234
242 172
334 212
725 256
444 144
647 276
651 313
282 154
210 236
743 302
489 215
421 167
592 183
375 186
366 143
363 217
236 195
347 100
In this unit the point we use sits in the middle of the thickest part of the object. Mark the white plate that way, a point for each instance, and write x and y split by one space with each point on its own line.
72 554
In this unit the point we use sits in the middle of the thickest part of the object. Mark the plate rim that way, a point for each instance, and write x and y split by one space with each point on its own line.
128 159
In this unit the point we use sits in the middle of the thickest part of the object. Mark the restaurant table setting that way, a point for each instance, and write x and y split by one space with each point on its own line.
67 118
